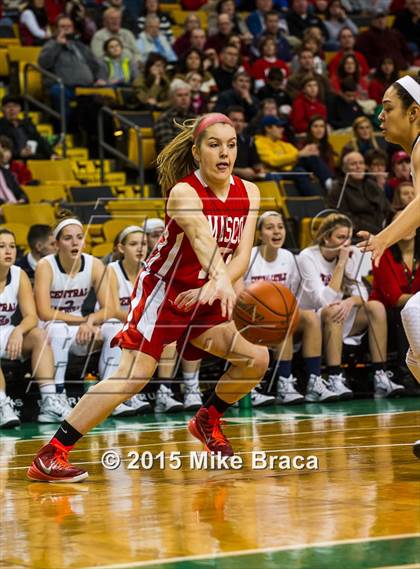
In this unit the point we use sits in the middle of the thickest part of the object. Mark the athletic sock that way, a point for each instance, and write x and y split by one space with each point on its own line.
191 379
3 395
216 406
284 368
46 389
66 437
334 370
313 365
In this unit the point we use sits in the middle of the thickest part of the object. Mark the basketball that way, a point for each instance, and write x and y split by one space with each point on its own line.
265 311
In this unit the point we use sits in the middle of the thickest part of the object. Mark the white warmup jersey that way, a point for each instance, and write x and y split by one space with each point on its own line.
125 288
9 296
317 272
68 293
283 269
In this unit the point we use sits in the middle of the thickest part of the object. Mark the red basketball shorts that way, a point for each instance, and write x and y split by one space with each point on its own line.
153 321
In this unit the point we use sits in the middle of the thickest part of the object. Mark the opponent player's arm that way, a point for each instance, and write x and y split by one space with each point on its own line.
186 209
407 222
43 280
239 263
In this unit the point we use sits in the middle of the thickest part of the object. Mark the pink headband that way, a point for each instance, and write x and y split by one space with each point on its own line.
209 120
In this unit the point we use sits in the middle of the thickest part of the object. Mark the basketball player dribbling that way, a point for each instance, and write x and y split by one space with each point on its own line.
400 123
184 293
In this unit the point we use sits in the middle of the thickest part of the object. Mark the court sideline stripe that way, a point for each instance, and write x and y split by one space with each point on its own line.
202 557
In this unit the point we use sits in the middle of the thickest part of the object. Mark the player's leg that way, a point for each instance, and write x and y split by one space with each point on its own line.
372 316
51 463
60 336
8 416
54 407
191 377
249 363
332 339
410 316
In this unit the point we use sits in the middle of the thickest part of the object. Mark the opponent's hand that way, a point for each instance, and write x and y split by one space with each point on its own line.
14 345
372 243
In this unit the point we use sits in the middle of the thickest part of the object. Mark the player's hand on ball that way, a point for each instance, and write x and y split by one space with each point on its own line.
372 243
220 289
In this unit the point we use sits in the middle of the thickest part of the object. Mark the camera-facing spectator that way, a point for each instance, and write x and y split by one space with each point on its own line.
180 109
384 76
407 22
127 20
120 69
404 194
349 69
152 40
306 105
112 28
17 167
268 60
335 20
228 66
183 42
27 141
275 89
359 196
224 30
306 66
151 8
300 17
376 165
347 40
274 30
364 138
240 95
344 109
152 86
400 166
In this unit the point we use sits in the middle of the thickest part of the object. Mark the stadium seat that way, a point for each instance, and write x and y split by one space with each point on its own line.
148 150
137 209
105 92
29 214
88 212
299 208
101 249
89 193
339 139
21 233
25 54
307 228
4 63
52 170
179 16
45 193
289 189
270 189
112 227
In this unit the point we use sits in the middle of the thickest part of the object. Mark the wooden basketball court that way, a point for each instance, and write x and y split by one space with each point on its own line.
360 509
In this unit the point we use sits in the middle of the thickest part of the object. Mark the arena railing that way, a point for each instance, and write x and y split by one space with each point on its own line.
103 145
28 98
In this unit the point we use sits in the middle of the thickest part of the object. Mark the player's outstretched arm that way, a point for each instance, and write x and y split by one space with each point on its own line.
186 209
240 260
405 224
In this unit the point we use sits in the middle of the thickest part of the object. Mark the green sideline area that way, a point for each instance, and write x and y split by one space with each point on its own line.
364 555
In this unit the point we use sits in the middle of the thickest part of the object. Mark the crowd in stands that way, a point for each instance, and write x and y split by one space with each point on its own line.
291 75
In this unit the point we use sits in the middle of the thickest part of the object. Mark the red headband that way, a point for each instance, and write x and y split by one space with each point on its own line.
209 120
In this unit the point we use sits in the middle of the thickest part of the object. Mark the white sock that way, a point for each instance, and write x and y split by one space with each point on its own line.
191 378
3 395
46 389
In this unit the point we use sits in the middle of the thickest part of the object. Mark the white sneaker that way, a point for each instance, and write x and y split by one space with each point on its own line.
287 392
123 410
258 399
336 384
317 390
165 401
54 408
139 403
192 398
384 387
8 417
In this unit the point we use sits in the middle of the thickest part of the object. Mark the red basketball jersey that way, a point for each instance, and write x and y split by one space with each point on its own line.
174 259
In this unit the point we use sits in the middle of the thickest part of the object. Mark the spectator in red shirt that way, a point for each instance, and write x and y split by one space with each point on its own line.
306 105
182 42
385 75
18 168
395 281
349 67
268 60
347 39
225 30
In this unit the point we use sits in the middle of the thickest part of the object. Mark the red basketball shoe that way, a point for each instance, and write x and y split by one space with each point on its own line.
209 432
51 465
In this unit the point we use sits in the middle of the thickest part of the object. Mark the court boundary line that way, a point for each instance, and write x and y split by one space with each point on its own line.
255 551
175 442
309 418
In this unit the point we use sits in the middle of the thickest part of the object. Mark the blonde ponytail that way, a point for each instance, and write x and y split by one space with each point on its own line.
176 161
